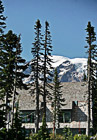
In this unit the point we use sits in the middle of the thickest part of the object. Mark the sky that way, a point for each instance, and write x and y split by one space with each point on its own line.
68 20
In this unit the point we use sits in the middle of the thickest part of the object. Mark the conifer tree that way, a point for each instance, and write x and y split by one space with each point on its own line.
94 88
36 66
43 133
8 51
16 131
11 75
47 76
57 100
91 68
2 26
20 67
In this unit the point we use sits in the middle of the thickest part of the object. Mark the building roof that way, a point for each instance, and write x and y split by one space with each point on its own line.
72 91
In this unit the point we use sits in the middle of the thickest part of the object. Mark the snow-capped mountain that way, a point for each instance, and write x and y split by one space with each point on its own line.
69 70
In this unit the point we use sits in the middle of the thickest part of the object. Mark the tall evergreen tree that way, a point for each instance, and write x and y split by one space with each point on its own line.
16 131
57 100
43 133
47 75
6 75
11 75
94 88
91 69
20 67
2 26
36 66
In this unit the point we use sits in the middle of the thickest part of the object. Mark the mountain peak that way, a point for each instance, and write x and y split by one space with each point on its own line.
69 70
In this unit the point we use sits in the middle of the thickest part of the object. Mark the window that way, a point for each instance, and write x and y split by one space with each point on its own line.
27 116
65 117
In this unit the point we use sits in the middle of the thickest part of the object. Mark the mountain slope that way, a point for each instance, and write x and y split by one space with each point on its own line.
69 70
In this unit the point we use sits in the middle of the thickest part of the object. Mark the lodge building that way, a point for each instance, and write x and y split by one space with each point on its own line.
74 113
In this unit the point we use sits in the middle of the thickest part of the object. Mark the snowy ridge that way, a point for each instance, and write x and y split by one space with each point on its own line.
69 70
57 60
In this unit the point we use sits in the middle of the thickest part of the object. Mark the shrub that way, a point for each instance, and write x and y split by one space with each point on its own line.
42 134
57 137
67 134
81 137
76 137
3 133
34 136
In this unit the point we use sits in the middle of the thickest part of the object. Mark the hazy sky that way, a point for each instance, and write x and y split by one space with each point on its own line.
67 18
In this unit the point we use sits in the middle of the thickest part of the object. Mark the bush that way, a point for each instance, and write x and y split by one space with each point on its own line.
76 137
34 136
42 134
3 133
57 137
81 137
67 134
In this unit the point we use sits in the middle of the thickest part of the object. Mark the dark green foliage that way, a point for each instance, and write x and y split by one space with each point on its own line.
2 18
11 77
43 133
57 100
6 69
10 70
16 132
8 62
34 136
19 75
81 137
2 105
2 117
58 137
41 65
92 74
95 108
36 66
67 134
47 76
3 133
20 66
